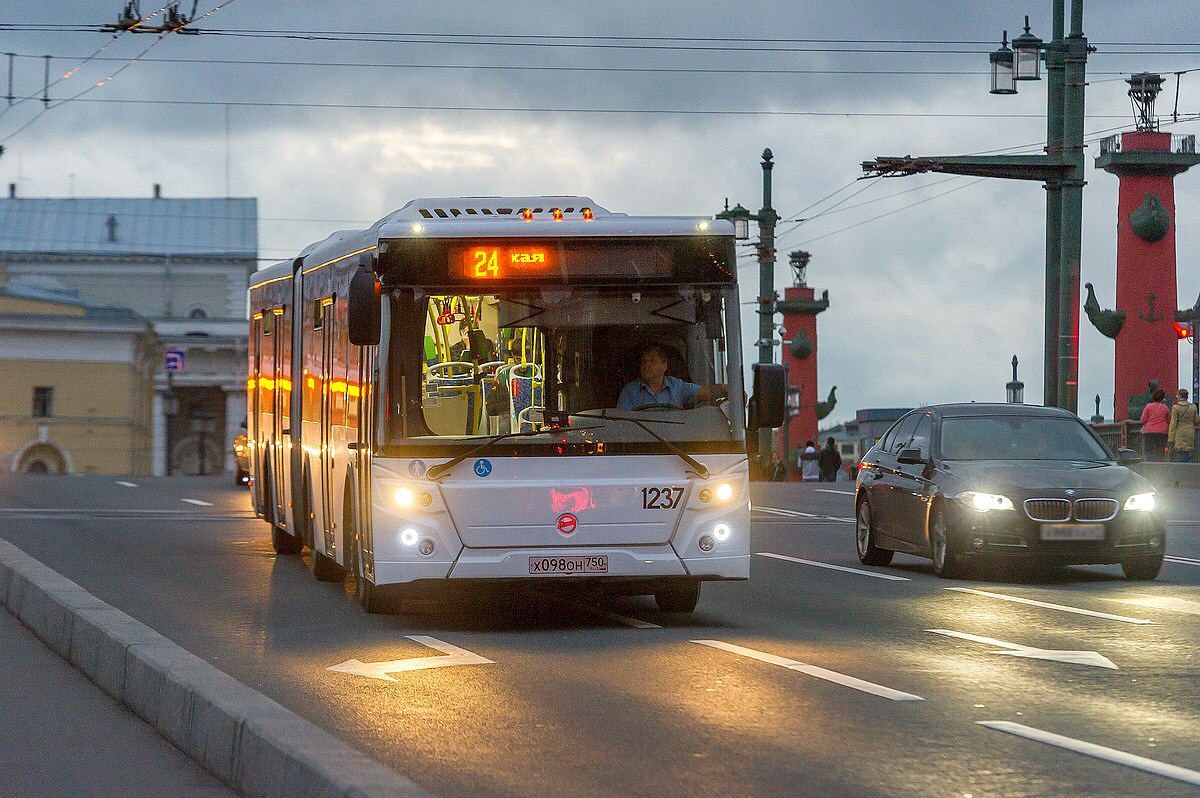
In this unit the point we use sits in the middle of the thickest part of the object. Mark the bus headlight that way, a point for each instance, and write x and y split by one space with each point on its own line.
986 501
404 497
1141 501
724 492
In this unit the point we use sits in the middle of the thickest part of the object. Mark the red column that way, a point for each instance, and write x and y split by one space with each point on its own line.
800 316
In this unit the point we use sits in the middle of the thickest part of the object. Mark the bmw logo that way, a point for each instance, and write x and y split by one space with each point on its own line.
1070 492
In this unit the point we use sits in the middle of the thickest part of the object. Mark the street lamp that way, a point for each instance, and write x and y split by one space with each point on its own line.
740 217
1027 55
1015 390
798 260
1002 69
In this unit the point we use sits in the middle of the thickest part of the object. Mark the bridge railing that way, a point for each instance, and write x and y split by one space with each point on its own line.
1122 435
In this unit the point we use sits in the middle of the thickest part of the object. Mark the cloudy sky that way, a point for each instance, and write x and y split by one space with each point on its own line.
928 303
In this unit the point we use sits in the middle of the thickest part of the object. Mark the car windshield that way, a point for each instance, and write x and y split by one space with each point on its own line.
1018 438
527 359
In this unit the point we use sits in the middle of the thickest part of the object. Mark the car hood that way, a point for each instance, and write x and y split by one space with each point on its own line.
998 476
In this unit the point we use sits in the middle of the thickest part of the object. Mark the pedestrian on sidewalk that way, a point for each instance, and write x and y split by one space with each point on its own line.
829 461
1181 436
1156 423
809 469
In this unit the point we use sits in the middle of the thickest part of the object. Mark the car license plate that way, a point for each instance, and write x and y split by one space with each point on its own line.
570 564
1072 531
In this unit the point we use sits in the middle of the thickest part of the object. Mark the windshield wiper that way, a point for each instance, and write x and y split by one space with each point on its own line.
698 468
442 469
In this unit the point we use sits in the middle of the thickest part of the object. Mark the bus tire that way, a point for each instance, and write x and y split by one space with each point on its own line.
677 595
281 541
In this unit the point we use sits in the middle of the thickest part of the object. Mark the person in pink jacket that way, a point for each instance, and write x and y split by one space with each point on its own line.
1156 423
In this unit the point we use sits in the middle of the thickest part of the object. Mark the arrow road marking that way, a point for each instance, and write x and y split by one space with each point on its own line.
1097 751
813 670
1164 603
452 655
1016 650
1049 606
802 561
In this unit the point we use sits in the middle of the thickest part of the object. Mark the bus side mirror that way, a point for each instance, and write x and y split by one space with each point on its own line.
363 315
767 402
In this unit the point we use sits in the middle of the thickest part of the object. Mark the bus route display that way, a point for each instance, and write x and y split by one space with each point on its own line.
496 262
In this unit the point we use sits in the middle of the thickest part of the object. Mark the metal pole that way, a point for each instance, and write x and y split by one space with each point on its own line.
787 427
766 294
1074 78
1054 135
46 84
9 96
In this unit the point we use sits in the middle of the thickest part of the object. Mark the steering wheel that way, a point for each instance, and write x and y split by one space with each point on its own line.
657 406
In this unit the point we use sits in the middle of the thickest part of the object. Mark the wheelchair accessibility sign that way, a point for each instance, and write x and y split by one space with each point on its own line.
483 467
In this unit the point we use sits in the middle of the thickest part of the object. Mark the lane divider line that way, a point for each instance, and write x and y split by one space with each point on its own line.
812 670
1047 605
1181 560
798 514
831 490
831 566
1097 751
126 484
198 502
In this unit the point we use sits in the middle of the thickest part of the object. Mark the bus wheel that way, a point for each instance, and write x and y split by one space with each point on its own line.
677 596
281 541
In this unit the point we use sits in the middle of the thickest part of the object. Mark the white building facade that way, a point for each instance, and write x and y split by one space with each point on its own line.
184 265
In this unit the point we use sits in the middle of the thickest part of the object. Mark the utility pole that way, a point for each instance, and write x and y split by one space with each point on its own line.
767 218
1060 168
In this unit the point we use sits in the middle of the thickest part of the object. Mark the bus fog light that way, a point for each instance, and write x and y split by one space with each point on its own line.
408 536
426 547
404 497
722 532
724 492
707 543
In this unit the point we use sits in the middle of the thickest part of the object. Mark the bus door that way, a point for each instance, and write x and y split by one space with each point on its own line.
326 309
278 422
253 394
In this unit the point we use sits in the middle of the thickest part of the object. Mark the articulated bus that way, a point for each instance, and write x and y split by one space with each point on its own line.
434 401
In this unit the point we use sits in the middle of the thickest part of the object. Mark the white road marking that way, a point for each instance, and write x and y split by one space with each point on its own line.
797 514
451 656
1182 560
199 502
813 670
1017 599
127 484
1097 751
802 561
831 490
1092 658
1164 603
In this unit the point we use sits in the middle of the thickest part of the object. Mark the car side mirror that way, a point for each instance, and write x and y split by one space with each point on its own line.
912 456
1128 457
362 318
767 402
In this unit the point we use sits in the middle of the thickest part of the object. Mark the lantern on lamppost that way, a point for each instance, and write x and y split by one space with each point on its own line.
1027 55
741 218
1015 390
1003 79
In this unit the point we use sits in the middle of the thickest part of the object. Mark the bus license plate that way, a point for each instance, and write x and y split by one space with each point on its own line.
572 564
1072 531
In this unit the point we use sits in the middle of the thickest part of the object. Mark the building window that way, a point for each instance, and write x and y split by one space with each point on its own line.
43 402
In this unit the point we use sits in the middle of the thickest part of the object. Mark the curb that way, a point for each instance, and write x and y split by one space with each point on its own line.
250 742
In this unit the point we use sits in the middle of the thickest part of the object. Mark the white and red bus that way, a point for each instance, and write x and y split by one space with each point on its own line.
434 400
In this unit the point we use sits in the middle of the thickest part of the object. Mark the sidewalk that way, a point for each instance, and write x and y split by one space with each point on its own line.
61 736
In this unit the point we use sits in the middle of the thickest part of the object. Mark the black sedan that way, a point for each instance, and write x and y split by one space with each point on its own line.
963 482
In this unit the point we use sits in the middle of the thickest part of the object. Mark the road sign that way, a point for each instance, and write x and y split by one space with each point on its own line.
174 360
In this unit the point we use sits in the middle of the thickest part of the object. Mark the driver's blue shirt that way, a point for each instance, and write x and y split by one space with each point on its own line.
674 392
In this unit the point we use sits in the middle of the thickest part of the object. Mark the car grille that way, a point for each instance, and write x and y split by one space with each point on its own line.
1057 510
1095 509
1048 509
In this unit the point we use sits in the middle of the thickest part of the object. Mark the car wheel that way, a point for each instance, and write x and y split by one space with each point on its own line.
864 538
1142 569
677 596
942 543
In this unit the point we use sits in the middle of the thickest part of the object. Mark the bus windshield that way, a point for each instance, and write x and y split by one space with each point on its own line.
462 367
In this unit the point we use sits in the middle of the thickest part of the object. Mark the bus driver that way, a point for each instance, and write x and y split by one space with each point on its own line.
656 388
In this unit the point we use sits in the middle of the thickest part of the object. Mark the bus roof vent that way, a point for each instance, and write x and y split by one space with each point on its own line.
503 207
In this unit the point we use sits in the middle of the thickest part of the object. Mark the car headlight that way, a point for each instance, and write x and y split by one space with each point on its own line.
1141 501
985 501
